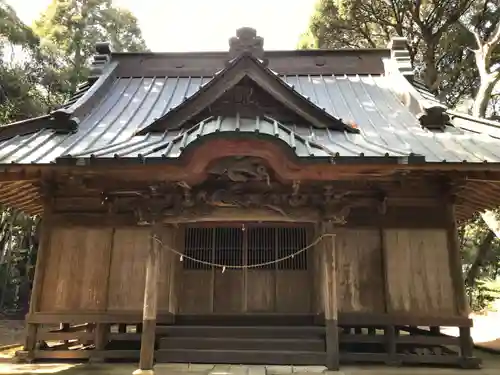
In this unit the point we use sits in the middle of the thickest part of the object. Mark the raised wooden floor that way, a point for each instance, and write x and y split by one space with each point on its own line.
292 340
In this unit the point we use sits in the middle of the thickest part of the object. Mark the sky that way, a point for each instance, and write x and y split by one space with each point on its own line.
204 25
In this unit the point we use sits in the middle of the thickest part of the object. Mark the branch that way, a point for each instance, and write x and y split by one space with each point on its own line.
492 43
482 254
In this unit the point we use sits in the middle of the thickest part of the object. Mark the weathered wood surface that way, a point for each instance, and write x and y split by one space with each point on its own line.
77 269
330 297
228 291
169 262
293 291
195 295
128 271
150 307
418 273
359 271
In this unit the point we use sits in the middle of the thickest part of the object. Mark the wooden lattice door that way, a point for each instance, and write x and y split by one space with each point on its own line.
259 284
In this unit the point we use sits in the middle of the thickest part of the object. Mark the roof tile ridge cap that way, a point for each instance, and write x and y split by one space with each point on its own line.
466 116
102 71
420 107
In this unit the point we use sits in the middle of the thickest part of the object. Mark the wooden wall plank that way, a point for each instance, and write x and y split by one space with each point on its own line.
359 270
228 286
418 273
293 291
51 277
195 292
260 290
95 270
77 270
127 271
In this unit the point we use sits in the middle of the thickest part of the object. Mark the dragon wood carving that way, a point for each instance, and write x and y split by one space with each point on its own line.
241 183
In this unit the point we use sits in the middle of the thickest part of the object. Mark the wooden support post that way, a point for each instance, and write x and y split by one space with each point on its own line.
36 290
174 240
455 263
100 340
461 303
466 347
330 298
390 333
146 361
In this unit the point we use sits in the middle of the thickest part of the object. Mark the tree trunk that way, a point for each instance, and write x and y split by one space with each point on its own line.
482 254
431 77
483 96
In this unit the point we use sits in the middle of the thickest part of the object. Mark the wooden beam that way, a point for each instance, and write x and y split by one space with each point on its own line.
36 291
150 303
455 263
330 297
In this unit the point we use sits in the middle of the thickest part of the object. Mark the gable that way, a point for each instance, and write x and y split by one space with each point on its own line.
247 87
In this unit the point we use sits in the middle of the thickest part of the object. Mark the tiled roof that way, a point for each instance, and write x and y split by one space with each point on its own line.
128 92
387 127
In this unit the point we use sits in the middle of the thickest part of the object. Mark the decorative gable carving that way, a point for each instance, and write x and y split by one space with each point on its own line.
246 41
247 88
248 100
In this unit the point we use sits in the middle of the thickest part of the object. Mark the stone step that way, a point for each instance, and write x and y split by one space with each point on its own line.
229 343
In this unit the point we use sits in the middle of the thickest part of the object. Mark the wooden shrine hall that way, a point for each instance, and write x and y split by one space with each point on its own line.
250 206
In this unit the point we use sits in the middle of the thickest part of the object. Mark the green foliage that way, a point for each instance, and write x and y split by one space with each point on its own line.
72 28
13 30
53 60
19 97
483 296
438 43
18 249
480 251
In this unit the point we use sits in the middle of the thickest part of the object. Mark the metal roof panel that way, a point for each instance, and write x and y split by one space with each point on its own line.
386 126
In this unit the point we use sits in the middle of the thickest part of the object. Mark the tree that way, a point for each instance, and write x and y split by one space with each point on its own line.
454 47
19 97
73 27
435 39
35 66
483 22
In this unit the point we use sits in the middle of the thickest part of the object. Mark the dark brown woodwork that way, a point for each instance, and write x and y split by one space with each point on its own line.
466 346
397 217
480 191
206 64
150 301
101 337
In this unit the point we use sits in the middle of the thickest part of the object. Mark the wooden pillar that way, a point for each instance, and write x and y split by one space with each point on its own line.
36 290
329 281
455 263
172 238
100 340
461 303
146 361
